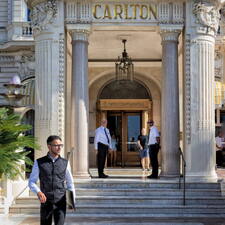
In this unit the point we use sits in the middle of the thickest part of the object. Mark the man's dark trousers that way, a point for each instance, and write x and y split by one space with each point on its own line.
56 210
101 157
153 150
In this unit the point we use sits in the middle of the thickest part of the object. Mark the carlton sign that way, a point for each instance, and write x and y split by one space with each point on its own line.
124 11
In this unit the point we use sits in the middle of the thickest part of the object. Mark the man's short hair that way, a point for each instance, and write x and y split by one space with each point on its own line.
51 138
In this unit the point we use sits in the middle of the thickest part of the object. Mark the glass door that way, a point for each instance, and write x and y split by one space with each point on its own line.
132 128
126 126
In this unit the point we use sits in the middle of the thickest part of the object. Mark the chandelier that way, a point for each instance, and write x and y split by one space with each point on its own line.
124 66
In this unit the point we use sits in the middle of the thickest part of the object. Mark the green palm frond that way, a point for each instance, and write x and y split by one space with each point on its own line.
12 144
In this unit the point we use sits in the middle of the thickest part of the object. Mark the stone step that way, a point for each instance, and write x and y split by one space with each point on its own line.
145 191
133 209
121 184
151 200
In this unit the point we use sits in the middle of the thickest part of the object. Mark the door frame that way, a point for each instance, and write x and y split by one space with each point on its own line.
125 106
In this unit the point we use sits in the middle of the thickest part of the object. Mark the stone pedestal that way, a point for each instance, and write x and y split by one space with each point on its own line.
170 103
80 102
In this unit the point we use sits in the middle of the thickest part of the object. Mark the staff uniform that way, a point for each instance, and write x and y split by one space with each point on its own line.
219 151
153 150
102 144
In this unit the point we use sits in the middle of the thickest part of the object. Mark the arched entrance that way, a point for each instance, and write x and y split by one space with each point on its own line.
127 105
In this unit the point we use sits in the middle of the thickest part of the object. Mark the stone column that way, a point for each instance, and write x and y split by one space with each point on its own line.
199 90
80 102
49 71
170 103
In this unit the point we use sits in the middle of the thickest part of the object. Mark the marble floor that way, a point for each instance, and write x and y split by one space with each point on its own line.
73 219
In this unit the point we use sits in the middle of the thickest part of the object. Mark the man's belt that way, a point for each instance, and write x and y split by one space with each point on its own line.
103 144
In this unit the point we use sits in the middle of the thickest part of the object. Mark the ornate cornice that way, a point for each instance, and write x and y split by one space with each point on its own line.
207 16
43 14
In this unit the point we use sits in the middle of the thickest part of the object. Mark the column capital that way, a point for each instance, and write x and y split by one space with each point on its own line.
170 32
79 32
42 15
207 16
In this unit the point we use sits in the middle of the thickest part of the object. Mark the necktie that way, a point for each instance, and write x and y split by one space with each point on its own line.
106 135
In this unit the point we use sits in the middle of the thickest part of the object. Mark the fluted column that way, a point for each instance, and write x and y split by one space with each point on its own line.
199 90
49 71
80 102
170 103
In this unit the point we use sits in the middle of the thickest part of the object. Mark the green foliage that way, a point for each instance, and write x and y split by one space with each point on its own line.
12 143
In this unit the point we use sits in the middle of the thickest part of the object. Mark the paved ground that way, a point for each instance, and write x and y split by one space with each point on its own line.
72 220
34 220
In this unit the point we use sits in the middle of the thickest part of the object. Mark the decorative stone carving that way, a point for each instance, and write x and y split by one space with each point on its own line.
207 15
7 60
43 14
218 65
61 86
78 11
26 66
187 90
80 34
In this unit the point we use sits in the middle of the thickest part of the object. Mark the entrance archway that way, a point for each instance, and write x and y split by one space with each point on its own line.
127 105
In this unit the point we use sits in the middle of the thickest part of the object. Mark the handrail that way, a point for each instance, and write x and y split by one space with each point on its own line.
183 174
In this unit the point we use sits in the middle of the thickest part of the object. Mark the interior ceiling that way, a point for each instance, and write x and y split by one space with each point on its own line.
142 42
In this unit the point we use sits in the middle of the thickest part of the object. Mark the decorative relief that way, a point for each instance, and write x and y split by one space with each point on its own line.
170 35
43 14
218 65
207 15
7 60
187 90
78 12
26 66
61 86
222 21
80 34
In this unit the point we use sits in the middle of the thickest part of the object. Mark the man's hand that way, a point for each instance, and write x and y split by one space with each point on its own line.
41 197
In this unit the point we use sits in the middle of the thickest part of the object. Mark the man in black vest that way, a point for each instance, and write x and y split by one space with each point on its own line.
55 177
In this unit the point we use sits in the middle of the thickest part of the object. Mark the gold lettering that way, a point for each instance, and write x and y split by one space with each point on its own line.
107 13
118 10
127 12
144 8
153 11
95 11
134 11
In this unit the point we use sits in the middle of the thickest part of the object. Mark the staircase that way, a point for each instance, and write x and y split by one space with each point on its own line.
136 197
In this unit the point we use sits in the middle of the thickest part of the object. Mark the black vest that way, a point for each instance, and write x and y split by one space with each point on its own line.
52 177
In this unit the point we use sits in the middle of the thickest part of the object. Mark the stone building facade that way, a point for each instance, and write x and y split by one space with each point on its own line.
65 53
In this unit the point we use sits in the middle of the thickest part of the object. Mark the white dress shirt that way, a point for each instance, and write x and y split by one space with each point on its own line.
153 134
34 176
219 142
100 136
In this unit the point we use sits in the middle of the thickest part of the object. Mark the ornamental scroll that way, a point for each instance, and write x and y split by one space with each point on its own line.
207 15
43 14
